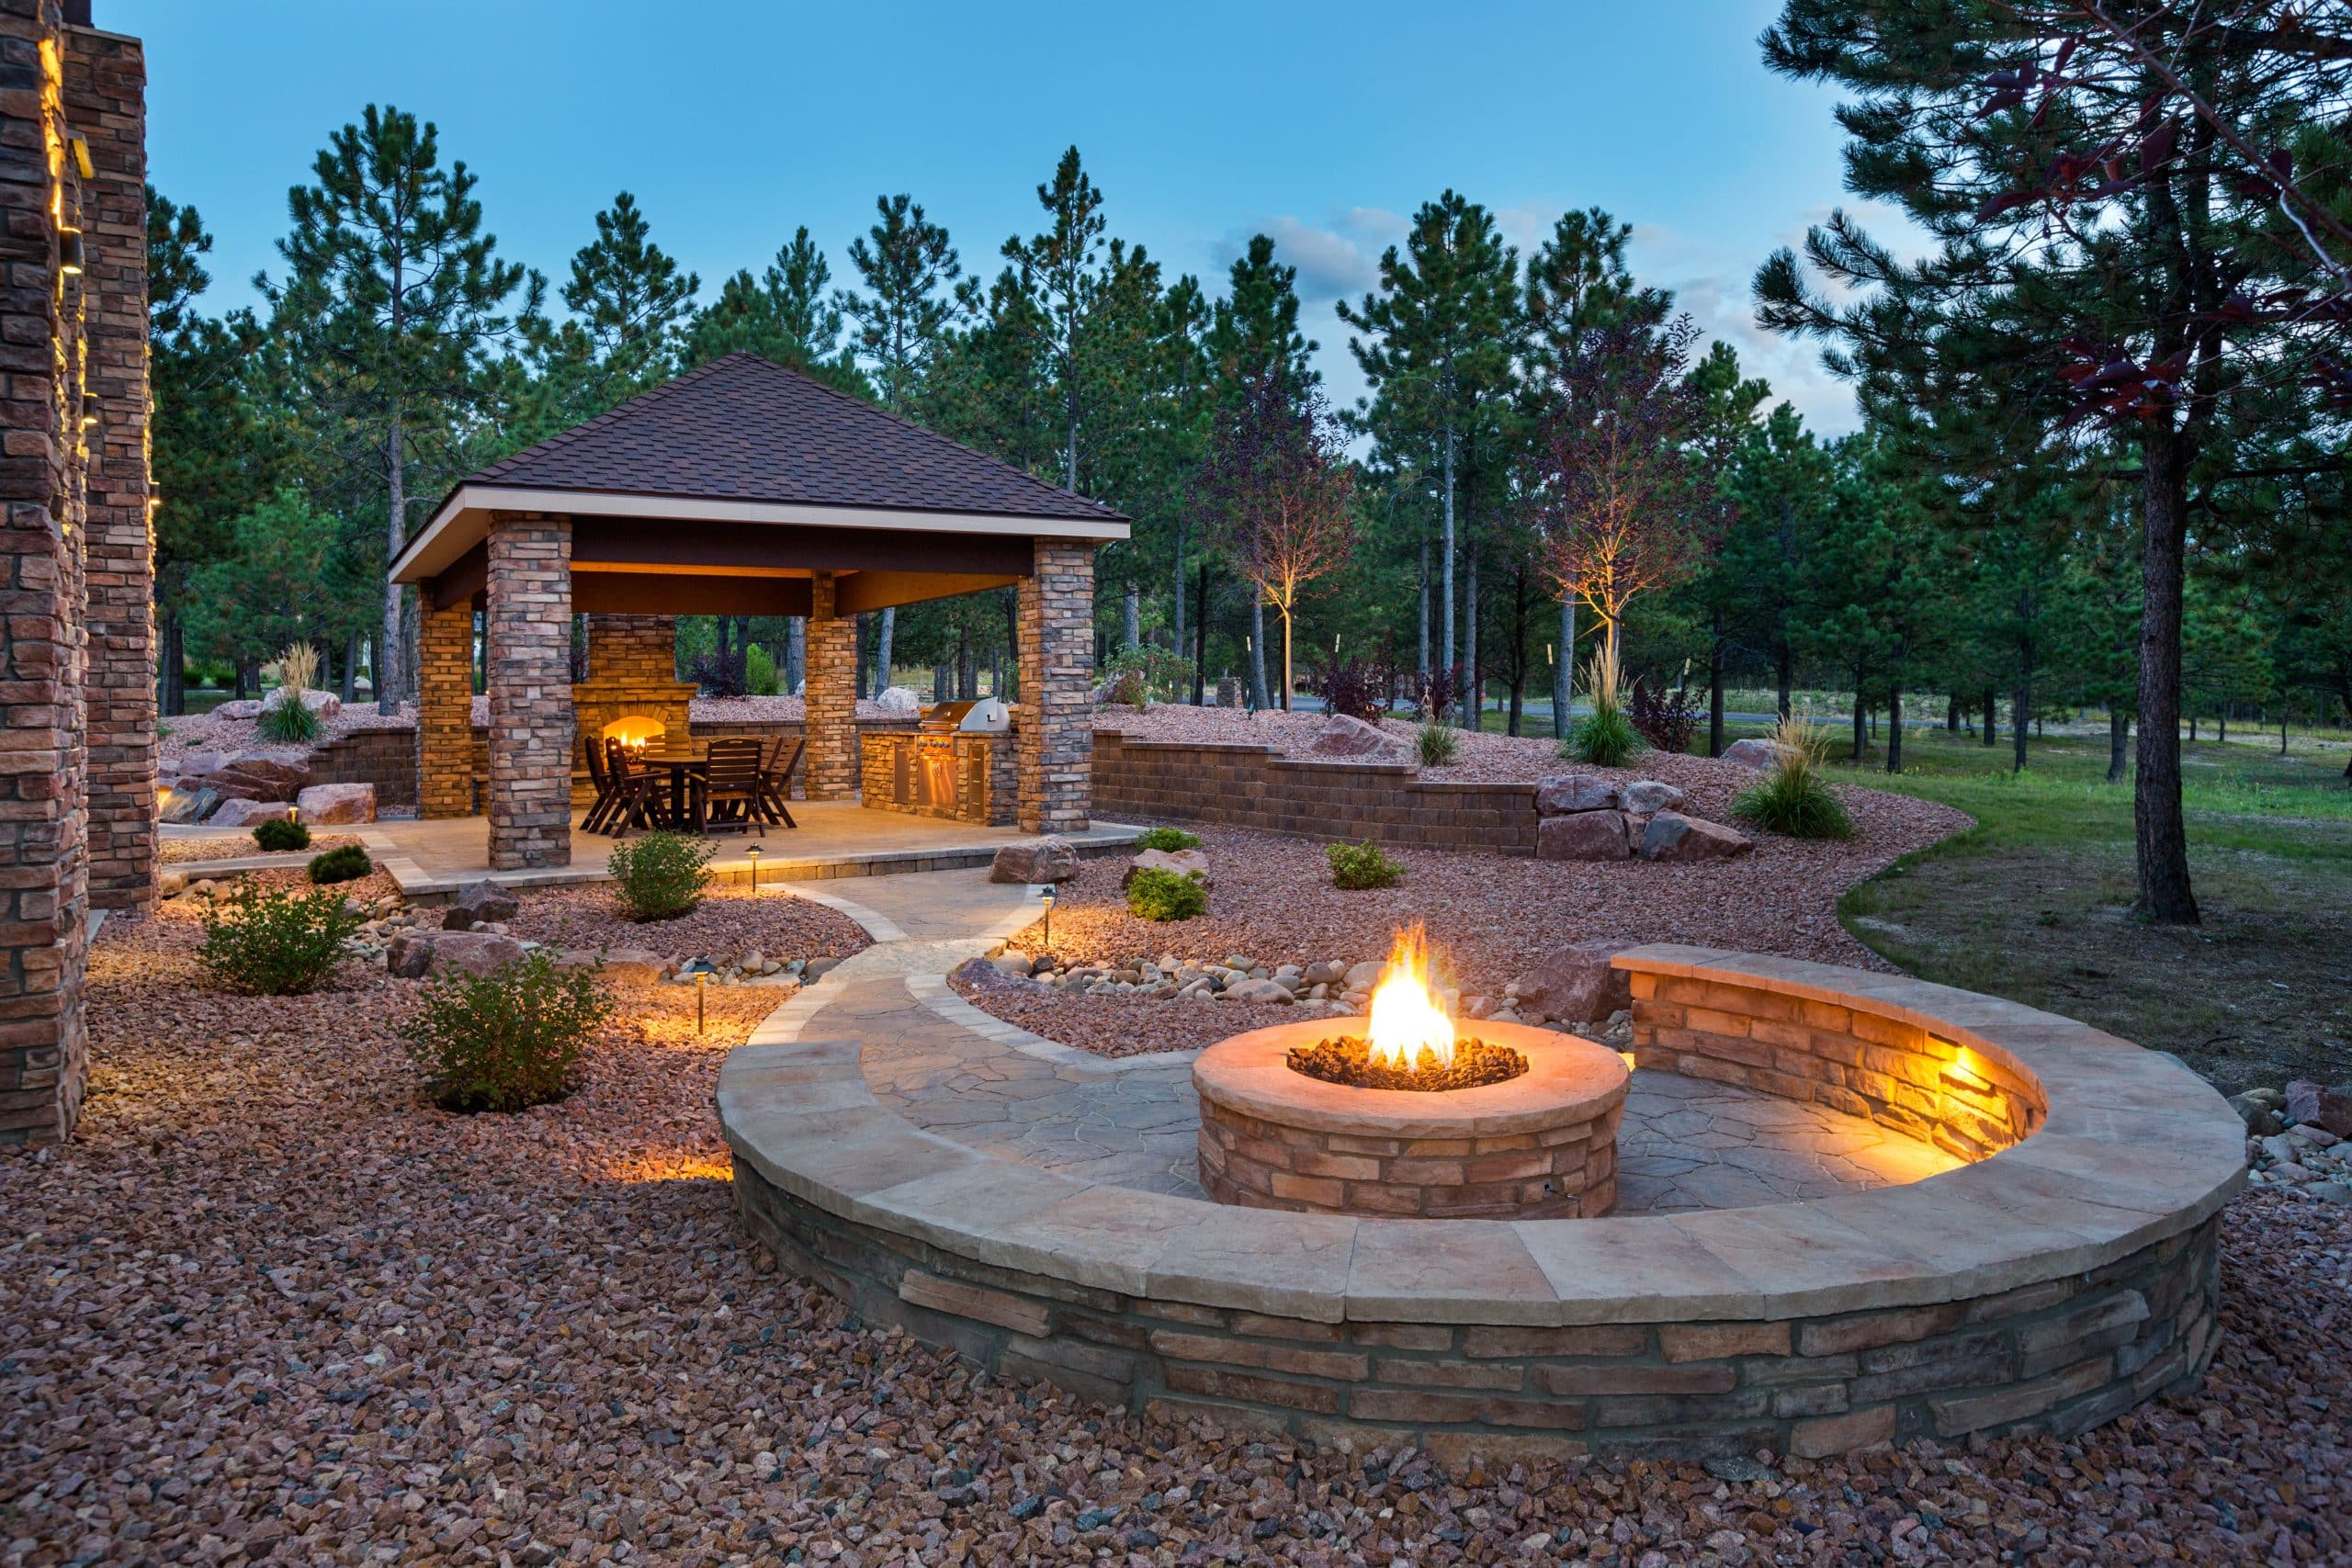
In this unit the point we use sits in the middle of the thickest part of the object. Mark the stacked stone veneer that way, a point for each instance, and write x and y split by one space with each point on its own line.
529 618
632 672
446 764
1256 787
830 766
980 774
74 557
1056 617
2048 1288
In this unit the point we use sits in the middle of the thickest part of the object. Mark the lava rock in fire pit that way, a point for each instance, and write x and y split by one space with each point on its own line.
1349 1060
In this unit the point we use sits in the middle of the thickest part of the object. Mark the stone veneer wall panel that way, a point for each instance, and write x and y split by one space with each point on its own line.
43 489
531 724
445 684
634 650
982 767
1057 654
830 767
106 87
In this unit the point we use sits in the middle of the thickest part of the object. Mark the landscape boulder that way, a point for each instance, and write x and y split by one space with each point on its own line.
899 699
1342 734
1754 753
638 963
981 975
1562 792
326 705
1259 991
258 777
1678 840
418 953
1049 859
239 812
244 707
195 764
1577 983
324 806
1362 976
1584 835
2314 1104
1183 862
480 904
1647 795
192 804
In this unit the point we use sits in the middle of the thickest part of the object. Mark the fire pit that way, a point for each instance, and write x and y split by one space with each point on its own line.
1516 1124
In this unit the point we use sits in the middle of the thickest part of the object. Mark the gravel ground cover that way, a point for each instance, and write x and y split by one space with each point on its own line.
238 736
1489 917
271 1305
728 922
190 851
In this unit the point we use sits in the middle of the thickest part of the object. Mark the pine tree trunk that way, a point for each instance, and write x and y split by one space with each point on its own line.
1716 690
2222 725
1200 637
1787 675
1861 720
1424 666
1259 697
1951 715
350 690
1446 644
939 681
1992 717
1895 727
1131 617
2020 715
388 683
795 653
1176 626
171 695
1564 665
2119 735
882 652
1476 709
2162 835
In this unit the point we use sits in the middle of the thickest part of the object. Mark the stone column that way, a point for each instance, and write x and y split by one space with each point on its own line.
831 762
632 650
105 79
44 915
529 622
1056 718
444 706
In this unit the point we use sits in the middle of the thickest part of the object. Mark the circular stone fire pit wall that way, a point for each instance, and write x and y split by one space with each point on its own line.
2048 1286
1540 1145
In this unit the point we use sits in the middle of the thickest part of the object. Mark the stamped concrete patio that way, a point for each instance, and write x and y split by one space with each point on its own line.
958 1072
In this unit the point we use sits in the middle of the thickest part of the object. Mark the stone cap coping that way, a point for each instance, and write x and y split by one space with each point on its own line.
1567 1080
2135 1150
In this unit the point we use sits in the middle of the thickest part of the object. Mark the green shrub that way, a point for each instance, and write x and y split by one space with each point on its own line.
1362 865
1144 673
278 835
1437 745
661 876
508 1039
289 722
759 673
1167 841
1793 798
276 942
1605 737
346 864
1158 895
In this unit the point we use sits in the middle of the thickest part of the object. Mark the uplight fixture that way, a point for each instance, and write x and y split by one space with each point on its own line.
69 252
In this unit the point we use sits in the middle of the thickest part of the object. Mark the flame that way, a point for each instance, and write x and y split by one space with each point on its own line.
1406 1019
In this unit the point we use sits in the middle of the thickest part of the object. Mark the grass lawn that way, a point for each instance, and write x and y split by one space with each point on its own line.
2033 903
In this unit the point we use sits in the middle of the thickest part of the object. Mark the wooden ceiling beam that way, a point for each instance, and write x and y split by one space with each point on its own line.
665 543
884 590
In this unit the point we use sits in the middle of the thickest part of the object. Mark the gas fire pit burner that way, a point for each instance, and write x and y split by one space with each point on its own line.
1350 1060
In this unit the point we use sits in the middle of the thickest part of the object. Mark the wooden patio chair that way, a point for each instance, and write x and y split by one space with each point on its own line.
600 778
776 781
636 796
728 793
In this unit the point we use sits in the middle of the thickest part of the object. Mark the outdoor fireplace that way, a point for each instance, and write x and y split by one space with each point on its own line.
635 730
1399 1115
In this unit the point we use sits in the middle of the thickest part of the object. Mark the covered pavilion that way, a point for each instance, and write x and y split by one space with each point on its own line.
741 488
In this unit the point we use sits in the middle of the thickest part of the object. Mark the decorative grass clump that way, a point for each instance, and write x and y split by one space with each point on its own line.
1437 745
1605 737
1167 841
1160 895
291 721
278 835
1792 799
661 876
348 864
508 1039
1360 865
276 942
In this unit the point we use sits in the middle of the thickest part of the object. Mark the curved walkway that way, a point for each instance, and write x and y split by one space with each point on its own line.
958 1072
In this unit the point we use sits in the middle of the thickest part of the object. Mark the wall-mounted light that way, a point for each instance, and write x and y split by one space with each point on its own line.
89 411
69 252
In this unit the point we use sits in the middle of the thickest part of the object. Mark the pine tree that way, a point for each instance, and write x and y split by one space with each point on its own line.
1058 265
910 272
393 292
628 300
787 314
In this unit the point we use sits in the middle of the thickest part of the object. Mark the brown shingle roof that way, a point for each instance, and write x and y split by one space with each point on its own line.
745 428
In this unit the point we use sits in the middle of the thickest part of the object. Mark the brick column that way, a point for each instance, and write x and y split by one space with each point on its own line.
1056 720
831 764
44 916
105 80
632 649
529 622
444 694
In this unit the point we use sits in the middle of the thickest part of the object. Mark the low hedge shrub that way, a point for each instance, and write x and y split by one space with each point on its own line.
508 1039
1160 895
278 835
274 942
661 876
1362 865
346 864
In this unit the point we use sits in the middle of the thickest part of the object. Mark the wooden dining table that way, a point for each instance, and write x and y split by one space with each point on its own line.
684 764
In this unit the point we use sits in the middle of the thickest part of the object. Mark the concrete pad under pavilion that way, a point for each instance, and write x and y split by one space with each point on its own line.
741 488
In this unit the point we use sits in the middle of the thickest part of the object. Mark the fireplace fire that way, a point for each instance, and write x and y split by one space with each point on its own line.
635 730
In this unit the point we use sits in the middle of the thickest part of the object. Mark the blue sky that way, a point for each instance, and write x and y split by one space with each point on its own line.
1322 125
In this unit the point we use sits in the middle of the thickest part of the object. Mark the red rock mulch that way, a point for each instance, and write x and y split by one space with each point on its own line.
269 1304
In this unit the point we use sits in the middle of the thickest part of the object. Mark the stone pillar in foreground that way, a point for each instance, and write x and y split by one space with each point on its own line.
445 692
829 765
106 78
529 617
1056 718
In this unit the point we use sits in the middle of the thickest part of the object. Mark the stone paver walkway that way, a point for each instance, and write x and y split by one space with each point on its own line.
955 1072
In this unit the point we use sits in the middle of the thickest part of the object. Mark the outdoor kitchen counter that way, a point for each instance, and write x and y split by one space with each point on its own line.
962 776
